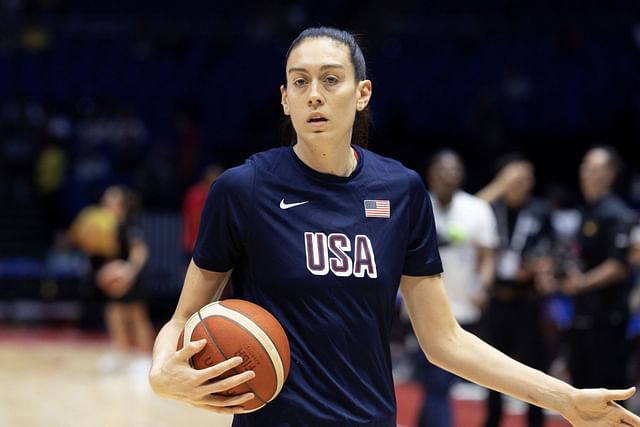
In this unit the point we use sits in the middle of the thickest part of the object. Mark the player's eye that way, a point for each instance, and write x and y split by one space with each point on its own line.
299 82
331 80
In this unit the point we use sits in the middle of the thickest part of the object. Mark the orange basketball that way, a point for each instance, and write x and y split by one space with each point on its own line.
240 328
111 278
95 231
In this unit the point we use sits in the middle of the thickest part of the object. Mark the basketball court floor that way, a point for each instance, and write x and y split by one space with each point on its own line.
50 378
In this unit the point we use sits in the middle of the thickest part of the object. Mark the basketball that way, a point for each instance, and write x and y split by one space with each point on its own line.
111 278
95 231
235 327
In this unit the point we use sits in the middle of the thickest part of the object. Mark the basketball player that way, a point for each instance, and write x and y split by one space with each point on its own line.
116 278
322 234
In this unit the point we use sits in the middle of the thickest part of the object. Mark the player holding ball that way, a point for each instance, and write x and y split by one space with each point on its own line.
322 234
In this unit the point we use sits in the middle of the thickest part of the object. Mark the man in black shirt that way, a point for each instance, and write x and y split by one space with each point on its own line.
513 318
599 281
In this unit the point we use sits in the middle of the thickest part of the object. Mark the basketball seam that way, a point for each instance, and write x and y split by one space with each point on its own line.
263 330
275 374
235 370
275 347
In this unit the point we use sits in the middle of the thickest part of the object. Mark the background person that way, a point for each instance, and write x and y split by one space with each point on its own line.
192 205
115 276
467 238
514 316
599 281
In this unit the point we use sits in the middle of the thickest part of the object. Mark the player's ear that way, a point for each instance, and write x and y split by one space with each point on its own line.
284 100
364 94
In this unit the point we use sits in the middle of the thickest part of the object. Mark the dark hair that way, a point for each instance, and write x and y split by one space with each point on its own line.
131 200
341 36
506 159
438 155
360 133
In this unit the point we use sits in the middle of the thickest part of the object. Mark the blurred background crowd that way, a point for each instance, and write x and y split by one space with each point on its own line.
160 97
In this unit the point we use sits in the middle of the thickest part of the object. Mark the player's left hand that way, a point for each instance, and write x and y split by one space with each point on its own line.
117 277
597 408
574 282
544 279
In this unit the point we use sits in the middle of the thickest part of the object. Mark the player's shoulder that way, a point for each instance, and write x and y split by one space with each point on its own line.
390 169
270 160
236 177
470 201
244 175
538 207
613 207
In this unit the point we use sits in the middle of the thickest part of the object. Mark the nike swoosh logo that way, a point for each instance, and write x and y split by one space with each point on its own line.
284 205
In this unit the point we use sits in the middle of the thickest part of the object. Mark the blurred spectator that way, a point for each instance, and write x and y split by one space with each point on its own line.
467 237
598 282
514 316
115 276
192 205
50 172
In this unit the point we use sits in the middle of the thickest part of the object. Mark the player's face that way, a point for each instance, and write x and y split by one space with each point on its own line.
519 189
446 176
596 176
113 199
322 94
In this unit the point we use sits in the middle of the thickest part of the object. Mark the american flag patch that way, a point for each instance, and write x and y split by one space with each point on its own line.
377 209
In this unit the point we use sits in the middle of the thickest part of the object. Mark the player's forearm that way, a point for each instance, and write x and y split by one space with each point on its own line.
166 342
486 266
499 372
199 288
138 255
609 272
491 192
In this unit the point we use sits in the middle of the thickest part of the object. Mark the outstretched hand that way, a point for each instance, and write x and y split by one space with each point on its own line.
597 408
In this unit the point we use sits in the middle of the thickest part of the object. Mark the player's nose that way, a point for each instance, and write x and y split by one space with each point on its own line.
315 97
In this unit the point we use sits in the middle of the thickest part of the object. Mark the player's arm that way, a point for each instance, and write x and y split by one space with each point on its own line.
612 270
199 288
170 375
486 266
498 185
130 270
447 345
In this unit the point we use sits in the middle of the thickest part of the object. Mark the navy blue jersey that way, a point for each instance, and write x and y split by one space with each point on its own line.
324 254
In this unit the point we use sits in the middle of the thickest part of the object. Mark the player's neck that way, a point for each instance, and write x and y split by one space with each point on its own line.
336 160
445 199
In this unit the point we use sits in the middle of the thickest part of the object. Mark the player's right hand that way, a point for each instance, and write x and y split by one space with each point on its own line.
176 379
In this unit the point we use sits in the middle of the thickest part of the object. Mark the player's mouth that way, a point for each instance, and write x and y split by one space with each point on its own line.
317 119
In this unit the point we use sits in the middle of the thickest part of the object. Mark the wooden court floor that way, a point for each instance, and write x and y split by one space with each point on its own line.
51 379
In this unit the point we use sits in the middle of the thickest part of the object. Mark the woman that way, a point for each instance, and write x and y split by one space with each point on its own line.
118 252
322 234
